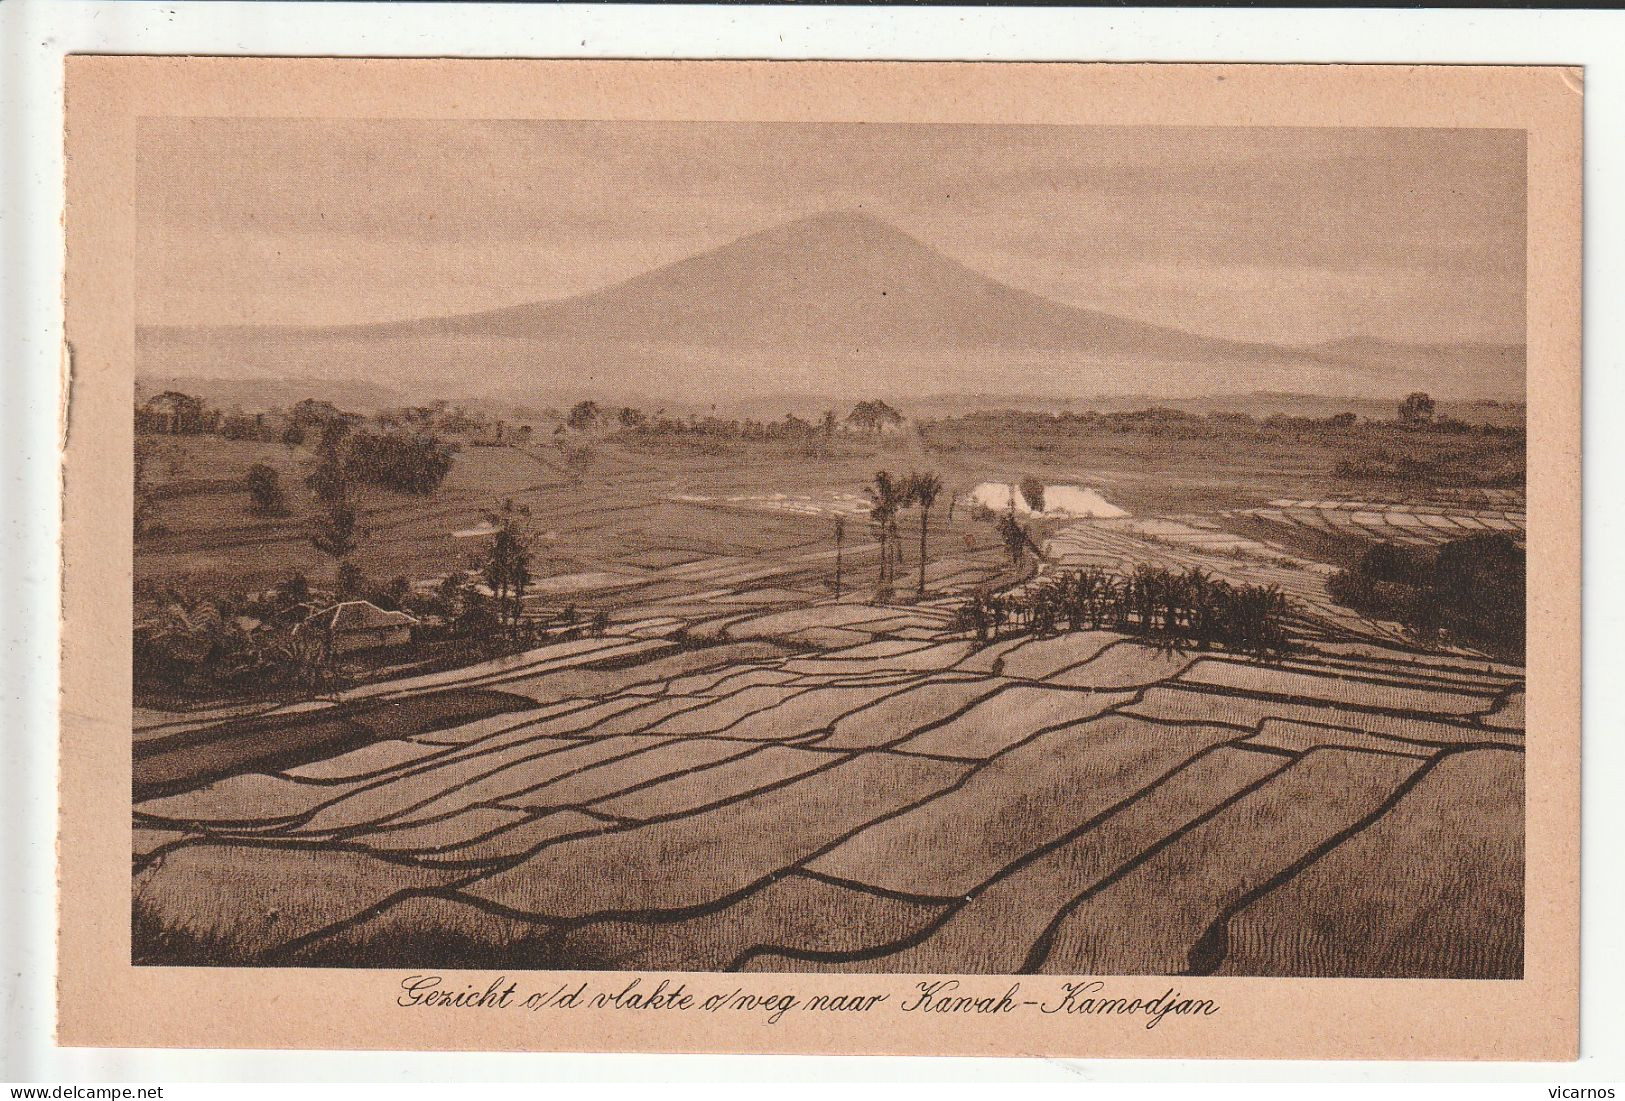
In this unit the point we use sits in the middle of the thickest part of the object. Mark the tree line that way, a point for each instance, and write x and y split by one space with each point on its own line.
888 497
254 642
1177 608
1470 590
1416 413
869 416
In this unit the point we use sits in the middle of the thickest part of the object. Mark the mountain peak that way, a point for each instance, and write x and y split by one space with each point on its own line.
840 234
842 218
833 301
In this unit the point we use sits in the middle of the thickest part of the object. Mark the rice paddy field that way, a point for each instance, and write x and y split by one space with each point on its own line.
747 771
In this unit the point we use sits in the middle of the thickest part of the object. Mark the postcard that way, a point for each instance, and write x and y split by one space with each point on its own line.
1061 559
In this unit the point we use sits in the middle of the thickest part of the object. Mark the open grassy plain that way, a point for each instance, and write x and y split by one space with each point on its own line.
746 772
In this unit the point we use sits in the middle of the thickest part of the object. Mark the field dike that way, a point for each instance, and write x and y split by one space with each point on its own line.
904 803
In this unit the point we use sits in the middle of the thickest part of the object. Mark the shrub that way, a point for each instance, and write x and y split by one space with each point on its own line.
1469 590
265 491
408 462
1032 491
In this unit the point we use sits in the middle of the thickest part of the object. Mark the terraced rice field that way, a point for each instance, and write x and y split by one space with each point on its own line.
847 786
1424 522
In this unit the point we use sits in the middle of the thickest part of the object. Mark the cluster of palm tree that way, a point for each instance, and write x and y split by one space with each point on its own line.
889 496
1176 608
505 565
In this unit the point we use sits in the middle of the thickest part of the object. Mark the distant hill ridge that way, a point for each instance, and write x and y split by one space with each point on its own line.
833 303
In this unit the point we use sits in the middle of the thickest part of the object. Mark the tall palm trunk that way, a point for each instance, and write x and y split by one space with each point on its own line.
925 519
840 534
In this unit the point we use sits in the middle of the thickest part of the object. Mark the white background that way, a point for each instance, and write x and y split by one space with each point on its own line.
34 36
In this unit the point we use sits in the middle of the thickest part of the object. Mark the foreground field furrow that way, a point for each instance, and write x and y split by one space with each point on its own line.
789 623
507 845
246 801
374 802
752 770
895 716
1381 656
294 737
1018 802
465 827
235 903
728 681
1043 658
1434 888
365 763
994 929
627 715
1302 737
617 774
605 683
813 713
428 931
714 716
1342 689
698 859
795 911
1123 665
1188 883
515 667
1247 713
1008 717
515 781
1413 673
484 734
892 654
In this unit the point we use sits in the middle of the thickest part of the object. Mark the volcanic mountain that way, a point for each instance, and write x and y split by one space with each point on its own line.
836 304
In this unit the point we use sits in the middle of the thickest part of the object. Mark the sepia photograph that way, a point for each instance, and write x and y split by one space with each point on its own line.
821 558
844 547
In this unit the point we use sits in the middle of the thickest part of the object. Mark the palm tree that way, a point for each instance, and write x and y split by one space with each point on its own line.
507 561
1144 596
885 498
923 490
840 536
1206 596
1016 539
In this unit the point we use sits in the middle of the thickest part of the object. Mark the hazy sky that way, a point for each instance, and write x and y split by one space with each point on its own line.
1285 235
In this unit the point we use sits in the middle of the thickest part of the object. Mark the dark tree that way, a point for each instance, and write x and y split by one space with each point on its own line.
311 413
923 490
265 491
840 539
352 583
1470 590
872 416
886 498
336 532
1417 408
407 462
584 415
1015 536
330 480
1032 491
506 568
